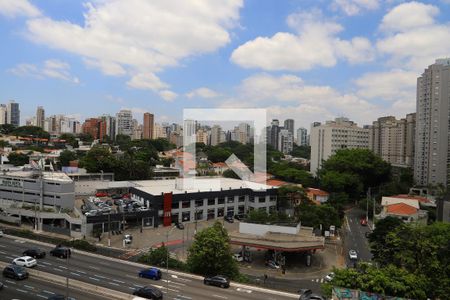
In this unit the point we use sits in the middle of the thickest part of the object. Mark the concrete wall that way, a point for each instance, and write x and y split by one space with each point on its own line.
262 229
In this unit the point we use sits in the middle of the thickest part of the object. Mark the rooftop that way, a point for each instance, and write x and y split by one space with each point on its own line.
49 176
179 186
401 209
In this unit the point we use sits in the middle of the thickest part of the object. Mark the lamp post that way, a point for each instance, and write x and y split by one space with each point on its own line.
167 258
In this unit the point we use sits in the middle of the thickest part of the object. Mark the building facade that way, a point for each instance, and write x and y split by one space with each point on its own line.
13 113
3 114
40 117
332 136
149 124
124 122
171 202
285 141
110 123
95 127
393 139
302 136
432 125
289 125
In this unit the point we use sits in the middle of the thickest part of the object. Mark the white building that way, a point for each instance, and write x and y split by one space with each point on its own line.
334 135
124 122
3 114
285 141
302 136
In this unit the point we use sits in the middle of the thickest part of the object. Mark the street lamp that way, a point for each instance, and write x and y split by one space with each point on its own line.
167 258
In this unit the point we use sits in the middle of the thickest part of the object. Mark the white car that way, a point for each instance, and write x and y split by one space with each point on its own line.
352 254
25 261
238 257
1 233
329 277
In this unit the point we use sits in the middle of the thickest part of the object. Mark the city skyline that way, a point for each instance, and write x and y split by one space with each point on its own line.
247 62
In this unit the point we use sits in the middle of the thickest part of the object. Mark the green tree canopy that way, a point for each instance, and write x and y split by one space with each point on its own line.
66 157
210 253
31 131
292 173
99 159
316 215
70 139
18 159
301 151
85 137
7 128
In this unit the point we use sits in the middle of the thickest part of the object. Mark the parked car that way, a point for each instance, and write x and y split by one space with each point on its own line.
179 225
329 277
61 252
57 297
101 194
239 217
363 221
25 261
118 202
34 252
152 273
1 233
217 280
304 294
149 292
238 257
353 254
116 196
15 272
92 212
229 218
273 265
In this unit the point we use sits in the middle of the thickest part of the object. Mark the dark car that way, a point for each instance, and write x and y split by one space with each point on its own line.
304 294
315 297
34 252
61 252
148 292
15 272
218 280
229 219
57 297
116 196
179 225
239 217
1 285
152 273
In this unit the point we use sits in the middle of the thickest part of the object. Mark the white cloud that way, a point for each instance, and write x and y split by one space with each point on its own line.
168 95
315 44
51 68
409 15
202 92
391 85
413 46
140 37
14 8
355 7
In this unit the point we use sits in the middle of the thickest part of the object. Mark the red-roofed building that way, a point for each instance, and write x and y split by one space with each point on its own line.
422 200
405 208
275 182
317 196
220 167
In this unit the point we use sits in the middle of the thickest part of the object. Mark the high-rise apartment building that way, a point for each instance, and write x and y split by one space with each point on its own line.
393 139
159 132
137 130
285 141
124 122
431 160
302 136
3 114
96 127
13 113
217 135
272 133
202 136
289 125
40 117
326 139
110 123
149 124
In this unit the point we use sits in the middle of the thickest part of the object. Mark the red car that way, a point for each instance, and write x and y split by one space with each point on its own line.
101 194
363 221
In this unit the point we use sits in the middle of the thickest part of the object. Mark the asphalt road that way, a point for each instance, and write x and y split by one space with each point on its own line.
33 288
355 237
120 276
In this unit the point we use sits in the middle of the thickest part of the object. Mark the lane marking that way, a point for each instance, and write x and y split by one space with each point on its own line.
42 296
62 267
118 281
46 263
58 270
93 278
82 272
99 276
48 292
23 291
2 252
95 268
9 281
244 290
221 297
126 275
113 283
184 297
2 246
76 274
28 287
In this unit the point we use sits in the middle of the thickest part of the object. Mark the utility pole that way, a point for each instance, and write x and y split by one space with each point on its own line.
373 218
109 229
67 276
367 205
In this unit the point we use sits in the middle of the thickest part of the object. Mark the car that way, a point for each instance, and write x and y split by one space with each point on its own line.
25 261
238 257
57 297
217 280
101 194
127 238
15 272
363 222
229 219
61 252
1 233
148 292
1 285
239 217
118 202
304 294
353 254
152 273
315 297
34 252
273 265
329 277
179 225
92 212
116 196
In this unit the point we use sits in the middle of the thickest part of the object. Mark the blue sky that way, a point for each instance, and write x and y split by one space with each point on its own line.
310 60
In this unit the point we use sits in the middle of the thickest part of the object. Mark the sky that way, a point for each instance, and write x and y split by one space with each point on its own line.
309 60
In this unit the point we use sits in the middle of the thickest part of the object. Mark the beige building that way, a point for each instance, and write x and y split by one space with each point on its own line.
393 139
202 136
326 139
159 132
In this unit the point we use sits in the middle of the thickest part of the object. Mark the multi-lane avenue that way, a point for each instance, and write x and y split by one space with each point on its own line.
122 276
355 236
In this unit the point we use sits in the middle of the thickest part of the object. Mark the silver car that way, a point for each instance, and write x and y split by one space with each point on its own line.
353 254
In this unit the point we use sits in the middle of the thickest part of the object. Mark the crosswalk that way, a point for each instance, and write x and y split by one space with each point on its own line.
318 280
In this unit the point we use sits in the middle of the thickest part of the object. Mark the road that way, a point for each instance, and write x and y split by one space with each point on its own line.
122 276
355 236
33 288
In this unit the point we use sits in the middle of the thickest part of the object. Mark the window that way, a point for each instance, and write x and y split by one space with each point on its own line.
241 198
198 203
221 200
251 199
186 204
175 205
261 199
211 201
230 199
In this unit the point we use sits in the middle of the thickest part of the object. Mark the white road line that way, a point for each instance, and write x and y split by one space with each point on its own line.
46 263
23 291
93 278
131 288
95 268
9 257
48 292
42 296
244 290
62 267
58 270
2 252
221 297
28 287
9 281
82 272
184 297
134 277
118 281
2 246
99 276
76 274
113 283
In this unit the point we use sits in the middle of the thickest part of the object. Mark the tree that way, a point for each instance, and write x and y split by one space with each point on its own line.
7 128
301 151
378 237
292 173
70 139
158 257
66 156
287 194
18 159
86 137
316 215
99 159
210 253
31 131
123 141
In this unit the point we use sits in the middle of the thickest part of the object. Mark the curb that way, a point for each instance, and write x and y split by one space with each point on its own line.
171 272
75 284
